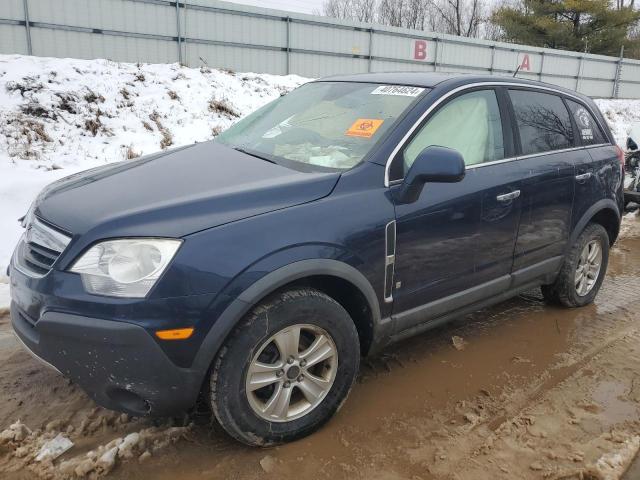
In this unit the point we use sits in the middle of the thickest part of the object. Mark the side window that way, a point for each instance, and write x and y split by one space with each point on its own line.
469 124
543 121
588 130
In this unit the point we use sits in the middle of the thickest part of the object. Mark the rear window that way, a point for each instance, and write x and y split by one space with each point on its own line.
543 121
589 131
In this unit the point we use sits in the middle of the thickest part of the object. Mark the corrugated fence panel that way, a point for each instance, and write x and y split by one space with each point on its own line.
118 15
246 38
237 58
629 90
596 88
402 48
564 66
508 61
630 72
13 39
599 69
61 43
326 39
309 65
561 82
12 9
390 66
473 58
218 26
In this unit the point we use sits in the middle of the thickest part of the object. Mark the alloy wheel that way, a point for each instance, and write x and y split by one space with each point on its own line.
588 268
291 373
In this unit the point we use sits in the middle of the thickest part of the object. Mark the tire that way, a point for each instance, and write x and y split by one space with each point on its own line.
243 409
566 290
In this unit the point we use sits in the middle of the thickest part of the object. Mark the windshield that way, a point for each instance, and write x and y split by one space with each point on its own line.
323 124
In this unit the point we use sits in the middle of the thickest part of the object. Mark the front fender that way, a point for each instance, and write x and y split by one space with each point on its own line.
247 298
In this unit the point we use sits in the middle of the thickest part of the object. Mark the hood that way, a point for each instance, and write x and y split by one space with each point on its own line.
176 193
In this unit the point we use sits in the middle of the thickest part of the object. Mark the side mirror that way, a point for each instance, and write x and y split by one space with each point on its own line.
433 164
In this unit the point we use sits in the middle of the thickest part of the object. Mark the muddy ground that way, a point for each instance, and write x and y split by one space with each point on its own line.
535 392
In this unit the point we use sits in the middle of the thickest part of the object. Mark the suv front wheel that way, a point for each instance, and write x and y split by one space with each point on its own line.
286 369
583 270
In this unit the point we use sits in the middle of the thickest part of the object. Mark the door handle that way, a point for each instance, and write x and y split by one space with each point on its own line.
583 176
508 196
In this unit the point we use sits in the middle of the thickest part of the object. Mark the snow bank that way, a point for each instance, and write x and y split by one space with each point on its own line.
620 114
59 116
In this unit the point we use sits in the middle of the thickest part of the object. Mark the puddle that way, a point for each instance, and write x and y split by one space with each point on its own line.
610 396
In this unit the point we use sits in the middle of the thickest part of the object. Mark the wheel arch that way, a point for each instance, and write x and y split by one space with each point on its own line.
341 281
604 212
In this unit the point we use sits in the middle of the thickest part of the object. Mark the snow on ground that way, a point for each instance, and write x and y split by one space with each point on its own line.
620 114
59 116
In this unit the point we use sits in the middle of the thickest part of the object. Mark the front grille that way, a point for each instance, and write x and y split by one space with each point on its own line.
39 248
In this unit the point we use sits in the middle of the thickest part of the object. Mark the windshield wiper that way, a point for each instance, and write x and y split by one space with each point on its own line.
254 154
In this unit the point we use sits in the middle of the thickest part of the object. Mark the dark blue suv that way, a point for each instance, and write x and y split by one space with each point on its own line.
351 213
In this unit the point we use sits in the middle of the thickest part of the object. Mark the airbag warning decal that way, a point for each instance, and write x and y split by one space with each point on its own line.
364 127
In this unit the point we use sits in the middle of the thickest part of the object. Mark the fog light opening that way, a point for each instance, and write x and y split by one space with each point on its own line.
129 401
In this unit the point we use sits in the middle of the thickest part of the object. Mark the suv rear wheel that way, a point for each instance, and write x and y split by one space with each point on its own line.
583 271
286 369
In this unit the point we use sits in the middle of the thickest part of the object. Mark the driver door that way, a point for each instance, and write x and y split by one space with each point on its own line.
454 245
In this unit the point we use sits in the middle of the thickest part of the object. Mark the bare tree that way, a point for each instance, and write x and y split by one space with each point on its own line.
358 10
468 18
620 4
461 17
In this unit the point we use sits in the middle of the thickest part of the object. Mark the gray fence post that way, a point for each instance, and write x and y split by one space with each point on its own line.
435 57
493 57
178 30
288 45
27 26
370 49
616 79
579 71
541 66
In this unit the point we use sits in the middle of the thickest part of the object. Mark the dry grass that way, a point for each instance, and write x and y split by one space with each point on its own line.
223 107
131 153
167 138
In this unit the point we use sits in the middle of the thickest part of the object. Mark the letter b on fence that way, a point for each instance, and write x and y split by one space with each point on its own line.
420 50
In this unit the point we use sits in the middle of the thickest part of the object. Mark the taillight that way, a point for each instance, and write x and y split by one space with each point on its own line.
620 154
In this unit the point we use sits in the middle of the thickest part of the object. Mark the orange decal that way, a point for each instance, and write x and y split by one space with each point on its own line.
364 127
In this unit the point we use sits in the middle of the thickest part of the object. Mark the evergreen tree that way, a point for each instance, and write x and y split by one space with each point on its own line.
591 26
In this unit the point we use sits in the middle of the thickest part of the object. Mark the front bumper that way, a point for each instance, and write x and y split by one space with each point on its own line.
107 346
118 364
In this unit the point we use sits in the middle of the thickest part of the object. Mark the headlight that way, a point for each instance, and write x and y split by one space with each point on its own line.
125 268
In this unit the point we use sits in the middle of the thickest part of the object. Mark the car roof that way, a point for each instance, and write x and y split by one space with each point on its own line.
433 79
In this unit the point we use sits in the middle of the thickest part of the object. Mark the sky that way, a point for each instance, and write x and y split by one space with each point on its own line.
303 6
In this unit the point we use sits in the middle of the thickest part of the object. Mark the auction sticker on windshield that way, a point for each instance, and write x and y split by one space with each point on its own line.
364 127
398 90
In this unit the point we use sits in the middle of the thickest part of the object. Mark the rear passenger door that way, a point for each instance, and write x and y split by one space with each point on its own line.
548 154
598 168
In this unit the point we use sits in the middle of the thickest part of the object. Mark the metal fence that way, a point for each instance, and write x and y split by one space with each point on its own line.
246 38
